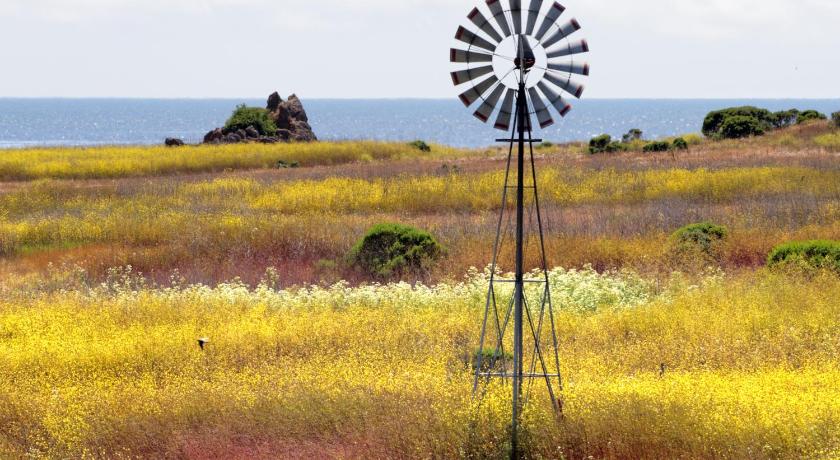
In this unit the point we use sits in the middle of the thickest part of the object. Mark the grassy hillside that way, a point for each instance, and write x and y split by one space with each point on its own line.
114 261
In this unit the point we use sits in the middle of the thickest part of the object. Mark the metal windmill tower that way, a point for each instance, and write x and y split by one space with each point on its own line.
515 69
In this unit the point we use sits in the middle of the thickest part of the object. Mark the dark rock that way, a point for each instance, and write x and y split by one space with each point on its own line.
284 134
214 136
302 132
274 101
233 138
252 133
172 142
242 134
295 108
268 140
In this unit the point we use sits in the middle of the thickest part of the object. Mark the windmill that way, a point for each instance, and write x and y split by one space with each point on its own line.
517 63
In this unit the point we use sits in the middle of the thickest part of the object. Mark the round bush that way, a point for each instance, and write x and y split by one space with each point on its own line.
703 236
807 254
389 250
714 121
738 127
421 146
244 116
658 146
599 144
680 144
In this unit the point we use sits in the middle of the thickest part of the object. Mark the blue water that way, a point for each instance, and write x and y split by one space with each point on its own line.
28 122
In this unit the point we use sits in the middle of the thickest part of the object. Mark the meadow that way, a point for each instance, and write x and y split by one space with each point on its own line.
115 261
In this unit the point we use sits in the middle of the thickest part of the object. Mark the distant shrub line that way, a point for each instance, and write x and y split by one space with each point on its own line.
633 141
748 121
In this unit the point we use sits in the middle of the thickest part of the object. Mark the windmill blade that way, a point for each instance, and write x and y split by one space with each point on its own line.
499 15
463 76
516 15
543 116
550 19
471 95
567 84
486 109
474 40
468 57
484 25
555 99
565 30
506 112
579 68
533 15
570 50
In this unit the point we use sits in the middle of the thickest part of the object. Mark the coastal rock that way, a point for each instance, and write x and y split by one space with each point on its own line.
289 116
173 142
216 135
274 101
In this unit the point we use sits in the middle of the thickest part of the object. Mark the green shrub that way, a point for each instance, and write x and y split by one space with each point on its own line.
615 146
487 356
632 135
809 115
389 250
599 144
421 146
244 116
658 146
738 127
680 144
714 122
835 117
703 236
809 255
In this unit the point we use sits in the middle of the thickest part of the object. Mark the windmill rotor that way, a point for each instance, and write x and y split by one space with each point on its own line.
515 42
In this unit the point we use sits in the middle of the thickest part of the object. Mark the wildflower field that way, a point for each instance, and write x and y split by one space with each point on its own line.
115 261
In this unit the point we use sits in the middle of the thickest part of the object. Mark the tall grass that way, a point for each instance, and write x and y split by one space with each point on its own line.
750 370
118 162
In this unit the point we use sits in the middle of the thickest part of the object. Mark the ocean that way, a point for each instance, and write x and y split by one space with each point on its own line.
82 122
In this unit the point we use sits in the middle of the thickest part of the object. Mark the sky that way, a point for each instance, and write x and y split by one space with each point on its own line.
399 48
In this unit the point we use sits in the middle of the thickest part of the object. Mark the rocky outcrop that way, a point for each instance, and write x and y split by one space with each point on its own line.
173 142
289 116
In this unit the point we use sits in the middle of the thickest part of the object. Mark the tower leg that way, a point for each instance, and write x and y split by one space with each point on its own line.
519 286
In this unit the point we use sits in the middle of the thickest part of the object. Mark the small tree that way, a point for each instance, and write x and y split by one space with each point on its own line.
599 144
632 135
785 118
389 250
738 127
835 117
245 116
680 144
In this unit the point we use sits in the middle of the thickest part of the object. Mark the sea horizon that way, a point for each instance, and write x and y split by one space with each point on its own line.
93 121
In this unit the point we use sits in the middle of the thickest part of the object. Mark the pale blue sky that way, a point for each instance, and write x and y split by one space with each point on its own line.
399 48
